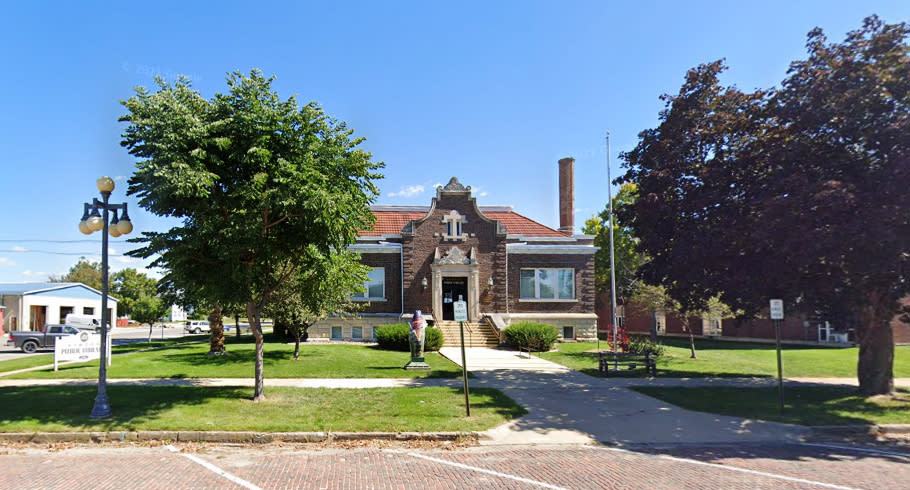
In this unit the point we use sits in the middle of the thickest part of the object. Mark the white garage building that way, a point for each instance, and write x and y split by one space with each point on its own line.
31 306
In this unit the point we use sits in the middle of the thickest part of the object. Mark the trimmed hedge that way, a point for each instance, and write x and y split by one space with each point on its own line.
529 335
395 337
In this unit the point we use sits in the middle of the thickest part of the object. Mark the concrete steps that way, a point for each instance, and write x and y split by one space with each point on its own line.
475 334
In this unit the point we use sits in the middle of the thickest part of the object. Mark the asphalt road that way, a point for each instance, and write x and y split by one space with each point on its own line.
775 467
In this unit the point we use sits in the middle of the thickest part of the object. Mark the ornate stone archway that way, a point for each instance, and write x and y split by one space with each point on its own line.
454 262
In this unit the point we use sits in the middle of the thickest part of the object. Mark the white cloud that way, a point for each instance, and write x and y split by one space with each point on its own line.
408 191
28 273
437 185
119 178
5 262
482 194
123 259
17 248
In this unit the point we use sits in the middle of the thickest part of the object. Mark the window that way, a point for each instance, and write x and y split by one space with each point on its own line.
374 285
453 222
88 310
568 333
547 284
356 333
336 333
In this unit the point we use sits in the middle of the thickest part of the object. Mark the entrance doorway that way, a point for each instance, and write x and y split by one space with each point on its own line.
453 289
37 317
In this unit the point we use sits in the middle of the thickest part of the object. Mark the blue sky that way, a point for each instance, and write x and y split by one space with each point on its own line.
491 92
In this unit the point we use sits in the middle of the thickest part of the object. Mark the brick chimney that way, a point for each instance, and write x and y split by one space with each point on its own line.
567 196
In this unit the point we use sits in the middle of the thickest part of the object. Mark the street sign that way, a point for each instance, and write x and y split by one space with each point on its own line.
83 346
461 311
777 309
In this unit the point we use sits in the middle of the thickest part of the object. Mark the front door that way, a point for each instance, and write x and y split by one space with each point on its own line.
453 289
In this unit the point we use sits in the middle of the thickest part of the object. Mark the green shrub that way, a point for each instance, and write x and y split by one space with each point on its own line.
533 336
640 344
395 337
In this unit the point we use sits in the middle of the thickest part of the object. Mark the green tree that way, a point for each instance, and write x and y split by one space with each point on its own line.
88 273
324 288
148 309
256 181
625 255
128 286
796 193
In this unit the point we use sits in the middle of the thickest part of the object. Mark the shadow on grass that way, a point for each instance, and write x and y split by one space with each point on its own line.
51 408
804 405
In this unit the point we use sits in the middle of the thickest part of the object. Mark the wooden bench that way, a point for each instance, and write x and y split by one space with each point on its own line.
608 361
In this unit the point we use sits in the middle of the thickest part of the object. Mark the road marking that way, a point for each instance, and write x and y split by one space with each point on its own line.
213 468
729 468
857 449
489 472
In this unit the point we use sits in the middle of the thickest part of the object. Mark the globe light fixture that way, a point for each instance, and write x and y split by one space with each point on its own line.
95 218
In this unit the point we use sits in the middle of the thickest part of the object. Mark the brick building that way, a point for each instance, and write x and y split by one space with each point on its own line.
507 267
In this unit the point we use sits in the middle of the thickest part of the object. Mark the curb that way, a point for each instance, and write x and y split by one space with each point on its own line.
882 430
240 437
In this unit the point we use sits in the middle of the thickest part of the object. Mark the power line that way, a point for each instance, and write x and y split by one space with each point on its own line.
39 240
96 252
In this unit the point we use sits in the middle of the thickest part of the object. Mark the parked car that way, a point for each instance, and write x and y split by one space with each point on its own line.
30 342
195 326
85 322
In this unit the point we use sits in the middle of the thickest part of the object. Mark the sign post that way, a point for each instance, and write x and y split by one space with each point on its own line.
777 316
461 316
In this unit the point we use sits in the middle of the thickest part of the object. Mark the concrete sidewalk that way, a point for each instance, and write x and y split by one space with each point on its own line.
566 406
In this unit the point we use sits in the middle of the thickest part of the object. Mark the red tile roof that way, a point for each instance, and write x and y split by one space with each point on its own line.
391 223
517 224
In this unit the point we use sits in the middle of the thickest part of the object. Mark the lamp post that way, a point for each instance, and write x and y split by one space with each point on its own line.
93 221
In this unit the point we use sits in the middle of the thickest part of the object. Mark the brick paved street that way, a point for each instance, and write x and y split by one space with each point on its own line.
571 467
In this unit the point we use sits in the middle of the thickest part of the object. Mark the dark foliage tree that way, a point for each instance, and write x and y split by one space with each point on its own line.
255 181
798 193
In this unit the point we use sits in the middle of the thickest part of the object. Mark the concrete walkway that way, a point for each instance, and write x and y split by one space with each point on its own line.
566 406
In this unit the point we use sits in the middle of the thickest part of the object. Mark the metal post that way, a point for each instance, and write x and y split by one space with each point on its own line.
780 367
102 407
612 264
464 373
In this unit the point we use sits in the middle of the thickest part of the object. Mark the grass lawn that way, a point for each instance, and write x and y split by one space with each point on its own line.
804 405
316 361
32 360
55 408
717 358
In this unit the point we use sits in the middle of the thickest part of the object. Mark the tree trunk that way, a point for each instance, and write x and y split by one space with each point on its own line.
875 368
252 314
297 335
691 338
237 324
216 339
151 326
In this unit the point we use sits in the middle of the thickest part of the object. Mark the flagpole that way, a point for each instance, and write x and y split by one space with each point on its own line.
612 264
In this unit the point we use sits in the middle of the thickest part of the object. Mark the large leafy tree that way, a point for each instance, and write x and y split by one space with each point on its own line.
84 271
129 285
324 288
255 180
797 193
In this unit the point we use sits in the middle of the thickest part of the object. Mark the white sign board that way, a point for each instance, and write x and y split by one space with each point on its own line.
777 309
461 311
83 346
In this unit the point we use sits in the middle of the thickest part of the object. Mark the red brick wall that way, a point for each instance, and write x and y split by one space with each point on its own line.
419 249
584 283
392 265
